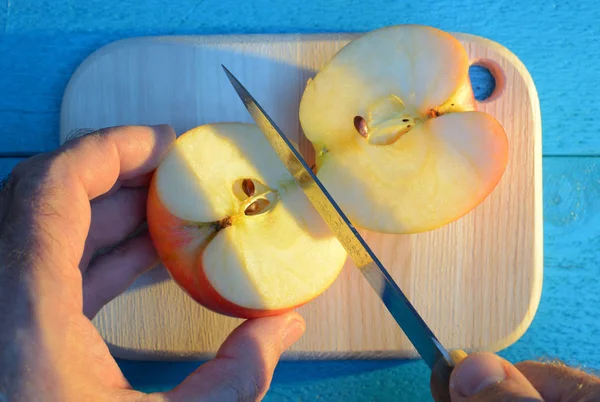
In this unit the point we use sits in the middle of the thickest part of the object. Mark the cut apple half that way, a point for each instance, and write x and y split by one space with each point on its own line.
233 228
398 141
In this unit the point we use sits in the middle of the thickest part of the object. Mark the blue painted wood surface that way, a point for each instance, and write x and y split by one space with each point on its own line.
43 41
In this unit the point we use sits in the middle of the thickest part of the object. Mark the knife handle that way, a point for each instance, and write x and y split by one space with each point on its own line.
440 376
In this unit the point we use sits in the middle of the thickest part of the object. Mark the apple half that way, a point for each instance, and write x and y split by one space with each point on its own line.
233 228
398 141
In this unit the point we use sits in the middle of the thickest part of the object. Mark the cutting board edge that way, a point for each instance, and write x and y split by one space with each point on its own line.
536 132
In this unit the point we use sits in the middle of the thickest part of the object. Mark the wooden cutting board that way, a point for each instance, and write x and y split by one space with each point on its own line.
477 282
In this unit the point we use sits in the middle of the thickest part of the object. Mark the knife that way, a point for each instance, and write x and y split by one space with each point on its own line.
440 361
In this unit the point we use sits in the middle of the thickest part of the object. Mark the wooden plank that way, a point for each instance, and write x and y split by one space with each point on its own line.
571 188
43 42
572 213
465 268
33 75
564 326
3 16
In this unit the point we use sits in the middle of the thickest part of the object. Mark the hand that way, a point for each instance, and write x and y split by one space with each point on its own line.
57 211
485 377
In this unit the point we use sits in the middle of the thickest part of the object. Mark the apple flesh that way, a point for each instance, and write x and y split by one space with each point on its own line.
232 227
398 141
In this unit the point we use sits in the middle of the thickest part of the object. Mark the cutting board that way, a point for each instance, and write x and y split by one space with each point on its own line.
476 282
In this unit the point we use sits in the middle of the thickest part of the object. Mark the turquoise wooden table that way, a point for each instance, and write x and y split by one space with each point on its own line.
42 42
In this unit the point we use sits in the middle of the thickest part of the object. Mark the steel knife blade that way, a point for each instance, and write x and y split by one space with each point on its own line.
439 360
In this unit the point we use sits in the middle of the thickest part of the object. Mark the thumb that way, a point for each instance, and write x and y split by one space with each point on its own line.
243 367
487 377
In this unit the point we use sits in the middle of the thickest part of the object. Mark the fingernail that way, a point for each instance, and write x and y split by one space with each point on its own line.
477 372
293 332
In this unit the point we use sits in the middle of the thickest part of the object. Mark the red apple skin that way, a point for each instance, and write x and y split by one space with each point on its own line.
181 253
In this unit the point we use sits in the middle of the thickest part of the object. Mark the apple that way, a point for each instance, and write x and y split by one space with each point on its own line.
398 140
232 227
399 144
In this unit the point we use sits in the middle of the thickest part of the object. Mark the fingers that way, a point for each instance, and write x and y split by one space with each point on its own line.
111 274
244 365
487 377
113 219
120 153
557 382
139 181
48 202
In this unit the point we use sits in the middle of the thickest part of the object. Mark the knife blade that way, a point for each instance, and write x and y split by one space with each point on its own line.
440 361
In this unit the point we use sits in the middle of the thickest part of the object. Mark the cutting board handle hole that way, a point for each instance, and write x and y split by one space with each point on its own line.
487 80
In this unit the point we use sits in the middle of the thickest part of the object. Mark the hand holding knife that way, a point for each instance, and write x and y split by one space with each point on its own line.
440 361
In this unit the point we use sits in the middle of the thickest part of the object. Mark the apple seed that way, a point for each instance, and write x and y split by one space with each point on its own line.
248 187
257 207
360 125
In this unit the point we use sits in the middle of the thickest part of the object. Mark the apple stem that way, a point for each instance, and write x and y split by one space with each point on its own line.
223 223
